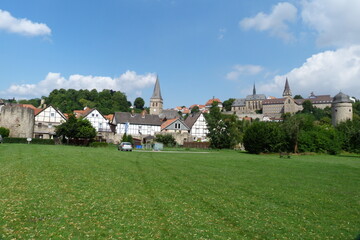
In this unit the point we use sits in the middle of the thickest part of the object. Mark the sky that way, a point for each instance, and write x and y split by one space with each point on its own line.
199 49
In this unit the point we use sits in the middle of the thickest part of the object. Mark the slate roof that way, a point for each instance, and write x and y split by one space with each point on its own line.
169 114
157 91
191 119
273 101
239 102
287 91
316 99
137 118
171 121
341 98
255 97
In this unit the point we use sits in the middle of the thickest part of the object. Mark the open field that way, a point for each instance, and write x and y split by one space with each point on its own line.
64 192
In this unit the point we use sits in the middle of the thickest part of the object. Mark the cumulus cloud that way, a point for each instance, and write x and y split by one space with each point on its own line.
241 70
22 26
129 82
275 22
336 22
323 73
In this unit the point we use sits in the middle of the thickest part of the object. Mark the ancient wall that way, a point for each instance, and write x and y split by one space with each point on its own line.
19 120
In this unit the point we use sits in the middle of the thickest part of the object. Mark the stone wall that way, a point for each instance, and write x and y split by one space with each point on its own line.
19 120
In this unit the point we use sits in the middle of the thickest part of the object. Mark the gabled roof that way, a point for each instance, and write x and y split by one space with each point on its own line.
169 114
191 119
210 101
83 113
171 121
137 118
109 117
239 102
57 110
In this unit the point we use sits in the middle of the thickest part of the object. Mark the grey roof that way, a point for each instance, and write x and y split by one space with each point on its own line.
341 98
191 119
254 90
287 91
256 97
239 102
157 91
137 118
169 114
320 99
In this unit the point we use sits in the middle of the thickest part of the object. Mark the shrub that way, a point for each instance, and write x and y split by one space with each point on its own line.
4 132
99 144
322 139
264 137
33 141
168 140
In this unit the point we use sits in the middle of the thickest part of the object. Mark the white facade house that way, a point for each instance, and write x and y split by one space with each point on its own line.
97 120
198 126
136 124
46 120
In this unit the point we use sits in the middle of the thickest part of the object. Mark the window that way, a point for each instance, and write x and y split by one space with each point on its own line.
39 125
52 114
177 125
50 125
97 115
93 115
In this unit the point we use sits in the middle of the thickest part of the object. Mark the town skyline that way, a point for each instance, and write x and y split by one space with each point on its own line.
198 50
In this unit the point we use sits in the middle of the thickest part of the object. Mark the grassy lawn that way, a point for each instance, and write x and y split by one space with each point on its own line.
64 192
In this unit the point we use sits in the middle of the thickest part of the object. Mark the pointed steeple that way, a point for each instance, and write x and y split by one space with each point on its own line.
254 90
157 92
287 91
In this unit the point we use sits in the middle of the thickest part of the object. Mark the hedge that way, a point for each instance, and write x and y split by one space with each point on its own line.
33 141
4 132
99 144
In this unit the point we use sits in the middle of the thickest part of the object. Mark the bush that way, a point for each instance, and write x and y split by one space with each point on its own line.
321 139
264 137
4 132
33 141
168 140
99 144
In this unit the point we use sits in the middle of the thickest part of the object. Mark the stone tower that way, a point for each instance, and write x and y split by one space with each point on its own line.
289 103
287 91
156 101
341 108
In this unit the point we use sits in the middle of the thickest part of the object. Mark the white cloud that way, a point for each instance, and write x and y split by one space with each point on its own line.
22 26
324 73
335 21
221 33
129 82
275 22
240 70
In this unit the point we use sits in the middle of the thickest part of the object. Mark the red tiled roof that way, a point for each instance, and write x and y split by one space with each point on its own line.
79 113
168 122
109 117
210 101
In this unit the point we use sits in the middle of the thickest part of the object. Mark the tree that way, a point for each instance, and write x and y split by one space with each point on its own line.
223 129
264 137
167 139
195 109
139 103
307 107
298 97
35 102
75 128
4 132
228 103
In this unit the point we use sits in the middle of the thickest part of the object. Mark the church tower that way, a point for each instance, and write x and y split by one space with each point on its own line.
341 109
156 101
287 91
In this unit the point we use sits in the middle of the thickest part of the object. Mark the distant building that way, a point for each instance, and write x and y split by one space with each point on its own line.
156 101
342 109
198 126
97 120
248 105
46 120
209 103
275 107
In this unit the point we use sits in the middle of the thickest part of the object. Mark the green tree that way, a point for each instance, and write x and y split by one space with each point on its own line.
167 139
228 103
307 107
264 137
139 103
35 102
75 128
4 132
298 97
349 133
195 109
223 130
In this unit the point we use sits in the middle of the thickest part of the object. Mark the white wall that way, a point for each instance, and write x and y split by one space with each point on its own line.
100 123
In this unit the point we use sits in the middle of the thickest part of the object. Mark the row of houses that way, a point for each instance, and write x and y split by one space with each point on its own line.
25 120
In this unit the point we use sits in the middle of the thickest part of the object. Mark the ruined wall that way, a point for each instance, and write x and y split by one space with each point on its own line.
19 120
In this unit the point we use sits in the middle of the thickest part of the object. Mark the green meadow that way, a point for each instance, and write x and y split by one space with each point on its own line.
65 192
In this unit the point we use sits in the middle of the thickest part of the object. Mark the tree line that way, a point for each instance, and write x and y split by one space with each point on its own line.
309 130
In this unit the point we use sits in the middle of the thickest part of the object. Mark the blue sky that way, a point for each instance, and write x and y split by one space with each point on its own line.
199 48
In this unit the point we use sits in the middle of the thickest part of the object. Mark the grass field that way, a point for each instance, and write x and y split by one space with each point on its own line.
64 192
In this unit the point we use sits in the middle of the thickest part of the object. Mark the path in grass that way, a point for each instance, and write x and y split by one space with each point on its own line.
73 192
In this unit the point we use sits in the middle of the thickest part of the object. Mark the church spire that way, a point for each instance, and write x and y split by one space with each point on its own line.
254 90
157 92
287 91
